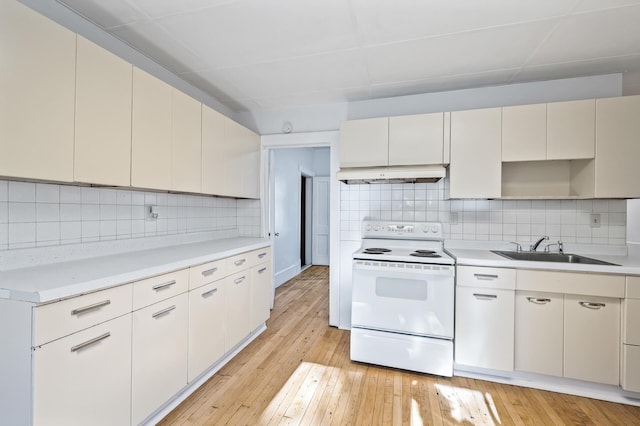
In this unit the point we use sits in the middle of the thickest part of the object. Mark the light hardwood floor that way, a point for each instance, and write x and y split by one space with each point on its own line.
298 372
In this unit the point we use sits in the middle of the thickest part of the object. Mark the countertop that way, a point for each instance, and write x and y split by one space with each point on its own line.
629 265
47 283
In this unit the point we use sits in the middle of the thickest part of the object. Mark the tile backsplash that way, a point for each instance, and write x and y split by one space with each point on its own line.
483 220
38 214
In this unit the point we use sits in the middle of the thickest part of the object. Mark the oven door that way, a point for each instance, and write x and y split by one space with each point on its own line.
403 298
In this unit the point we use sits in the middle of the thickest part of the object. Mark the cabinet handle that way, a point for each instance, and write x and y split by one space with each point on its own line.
210 292
239 262
592 305
481 296
538 301
209 272
486 277
163 285
90 342
90 307
239 280
163 311
261 255
260 271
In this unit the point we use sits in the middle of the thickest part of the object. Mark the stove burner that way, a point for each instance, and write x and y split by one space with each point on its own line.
376 250
425 253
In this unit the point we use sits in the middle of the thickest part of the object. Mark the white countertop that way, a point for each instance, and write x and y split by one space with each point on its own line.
480 257
46 283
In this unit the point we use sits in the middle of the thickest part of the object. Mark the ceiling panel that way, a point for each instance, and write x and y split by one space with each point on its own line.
160 8
106 14
592 5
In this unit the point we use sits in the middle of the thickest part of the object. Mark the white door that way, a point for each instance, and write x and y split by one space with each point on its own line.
320 238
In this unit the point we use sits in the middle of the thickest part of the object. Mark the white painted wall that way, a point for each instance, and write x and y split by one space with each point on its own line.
633 226
287 167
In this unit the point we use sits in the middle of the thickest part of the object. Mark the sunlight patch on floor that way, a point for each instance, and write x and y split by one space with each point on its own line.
467 405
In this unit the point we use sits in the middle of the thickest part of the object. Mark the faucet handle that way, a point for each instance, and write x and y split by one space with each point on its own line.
559 244
518 245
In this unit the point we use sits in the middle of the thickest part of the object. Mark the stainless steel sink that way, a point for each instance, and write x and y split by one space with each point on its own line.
550 257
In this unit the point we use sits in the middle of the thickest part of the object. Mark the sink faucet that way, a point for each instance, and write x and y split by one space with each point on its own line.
535 245
559 244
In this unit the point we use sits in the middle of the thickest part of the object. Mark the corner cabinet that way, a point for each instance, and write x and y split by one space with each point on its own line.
476 153
37 104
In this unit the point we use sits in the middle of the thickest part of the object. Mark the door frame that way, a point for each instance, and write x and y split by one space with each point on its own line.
329 139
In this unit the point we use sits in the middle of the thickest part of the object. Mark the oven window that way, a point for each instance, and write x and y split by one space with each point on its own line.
400 288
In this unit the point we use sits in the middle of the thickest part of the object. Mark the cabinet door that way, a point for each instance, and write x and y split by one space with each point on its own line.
214 152
234 158
617 147
416 139
261 294
592 339
237 316
475 170
159 355
186 143
538 332
571 129
206 327
484 328
37 87
364 143
85 378
103 117
524 133
251 165
151 132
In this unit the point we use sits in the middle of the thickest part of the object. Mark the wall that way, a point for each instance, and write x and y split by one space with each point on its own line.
38 214
287 166
633 226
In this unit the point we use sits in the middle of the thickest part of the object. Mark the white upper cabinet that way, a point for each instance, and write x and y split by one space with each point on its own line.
213 152
617 172
524 133
242 161
103 117
475 168
186 143
37 86
571 129
151 132
364 143
416 139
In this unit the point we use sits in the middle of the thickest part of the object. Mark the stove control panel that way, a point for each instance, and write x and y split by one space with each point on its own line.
409 230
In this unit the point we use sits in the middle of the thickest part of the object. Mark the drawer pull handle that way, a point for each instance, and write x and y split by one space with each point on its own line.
210 292
592 305
260 271
90 307
538 300
164 285
261 255
209 272
90 342
239 280
486 276
239 262
163 311
481 296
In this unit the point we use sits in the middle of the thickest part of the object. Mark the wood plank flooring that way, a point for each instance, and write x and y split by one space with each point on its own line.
298 372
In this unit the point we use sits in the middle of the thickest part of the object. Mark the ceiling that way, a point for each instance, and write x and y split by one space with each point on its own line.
263 54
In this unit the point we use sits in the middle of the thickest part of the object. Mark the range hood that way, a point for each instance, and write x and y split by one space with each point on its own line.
392 174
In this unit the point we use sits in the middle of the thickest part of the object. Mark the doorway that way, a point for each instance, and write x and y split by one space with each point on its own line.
306 215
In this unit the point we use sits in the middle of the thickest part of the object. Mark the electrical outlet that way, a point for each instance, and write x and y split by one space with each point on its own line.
152 212
595 220
453 218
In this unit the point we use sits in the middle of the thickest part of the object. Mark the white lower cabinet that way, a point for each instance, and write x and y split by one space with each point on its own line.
238 289
206 327
592 339
261 289
484 328
85 378
539 332
159 354
630 371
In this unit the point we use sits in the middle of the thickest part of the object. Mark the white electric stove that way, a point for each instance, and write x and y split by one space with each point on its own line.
403 297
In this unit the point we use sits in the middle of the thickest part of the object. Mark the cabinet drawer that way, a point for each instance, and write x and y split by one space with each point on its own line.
471 276
261 256
631 322
630 377
207 273
152 290
633 287
59 319
571 283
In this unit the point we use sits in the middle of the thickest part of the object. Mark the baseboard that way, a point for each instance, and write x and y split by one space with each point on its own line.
286 274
